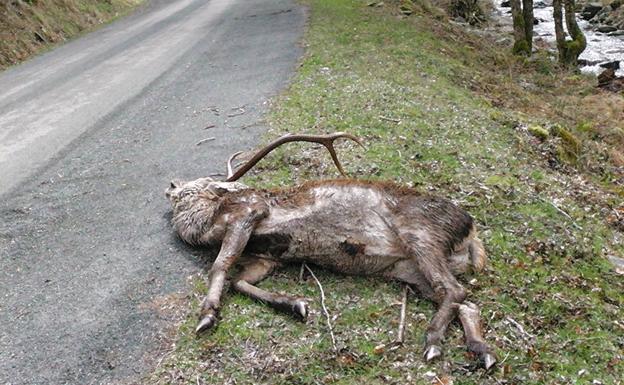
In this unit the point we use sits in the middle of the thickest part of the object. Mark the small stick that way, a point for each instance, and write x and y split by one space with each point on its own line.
560 210
390 119
209 126
329 325
241 111
401 333
301 272
205 140
520 328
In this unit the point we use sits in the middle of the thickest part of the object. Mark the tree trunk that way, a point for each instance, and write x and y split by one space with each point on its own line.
527 11
522 15
559 32
578 43
569 50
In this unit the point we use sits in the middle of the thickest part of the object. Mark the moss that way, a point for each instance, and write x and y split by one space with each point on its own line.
570 148
521 47
539 132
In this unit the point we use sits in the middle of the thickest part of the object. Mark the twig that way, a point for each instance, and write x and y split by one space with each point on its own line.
390 119
209 126
401 333
301 271
524 333
241 111
329 325
245 126
205 140
504 359
560 210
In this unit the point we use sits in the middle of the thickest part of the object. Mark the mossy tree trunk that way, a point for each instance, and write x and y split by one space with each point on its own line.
569 50
522 14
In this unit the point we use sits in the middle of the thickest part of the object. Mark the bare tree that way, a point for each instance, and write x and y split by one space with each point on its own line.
522 14
569 50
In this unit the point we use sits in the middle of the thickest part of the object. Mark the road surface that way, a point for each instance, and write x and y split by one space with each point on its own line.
90 135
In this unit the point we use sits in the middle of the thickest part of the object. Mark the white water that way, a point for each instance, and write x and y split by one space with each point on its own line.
600 47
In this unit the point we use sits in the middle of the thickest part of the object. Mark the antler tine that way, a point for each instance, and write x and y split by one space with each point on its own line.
230 170
325 140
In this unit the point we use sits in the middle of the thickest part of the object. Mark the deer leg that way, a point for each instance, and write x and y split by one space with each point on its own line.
447 293
212 302
471 322
238 231
427 279
257 270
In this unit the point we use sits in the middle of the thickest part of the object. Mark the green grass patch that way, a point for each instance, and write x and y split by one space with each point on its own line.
411 88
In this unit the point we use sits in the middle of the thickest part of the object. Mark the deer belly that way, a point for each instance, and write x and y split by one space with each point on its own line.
346 255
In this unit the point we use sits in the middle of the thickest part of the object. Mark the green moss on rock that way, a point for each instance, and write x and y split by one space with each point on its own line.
570 148
539 132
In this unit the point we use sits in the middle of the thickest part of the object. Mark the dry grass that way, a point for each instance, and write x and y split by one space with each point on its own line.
28 27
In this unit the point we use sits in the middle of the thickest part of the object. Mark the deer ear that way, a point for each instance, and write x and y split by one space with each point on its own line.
175 183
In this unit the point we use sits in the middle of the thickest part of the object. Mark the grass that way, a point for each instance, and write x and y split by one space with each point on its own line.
28 27
438 109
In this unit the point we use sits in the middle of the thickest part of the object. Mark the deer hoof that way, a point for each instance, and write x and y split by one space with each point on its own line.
207 322
300 309
488 360
432 352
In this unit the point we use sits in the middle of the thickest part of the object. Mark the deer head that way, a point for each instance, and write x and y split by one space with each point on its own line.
196 202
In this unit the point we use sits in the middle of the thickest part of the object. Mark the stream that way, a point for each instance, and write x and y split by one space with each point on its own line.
601 48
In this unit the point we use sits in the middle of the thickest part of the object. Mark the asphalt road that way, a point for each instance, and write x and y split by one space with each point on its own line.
90 135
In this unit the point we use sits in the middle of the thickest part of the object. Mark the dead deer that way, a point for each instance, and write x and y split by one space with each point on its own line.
348 226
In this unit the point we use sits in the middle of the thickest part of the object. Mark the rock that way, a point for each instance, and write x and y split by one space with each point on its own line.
616 4
616 33
618 264
609 82
612 64
506 4
585 62
540 4
606 76
590 10
606 28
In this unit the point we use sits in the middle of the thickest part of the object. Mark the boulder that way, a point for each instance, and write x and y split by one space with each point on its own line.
612 64
590 10
585 62
506 4
608 81
616 33
606 28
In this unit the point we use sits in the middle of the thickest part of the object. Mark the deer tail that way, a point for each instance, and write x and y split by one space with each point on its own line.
477 254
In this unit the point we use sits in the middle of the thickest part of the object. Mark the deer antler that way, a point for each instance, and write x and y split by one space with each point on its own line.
325 140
